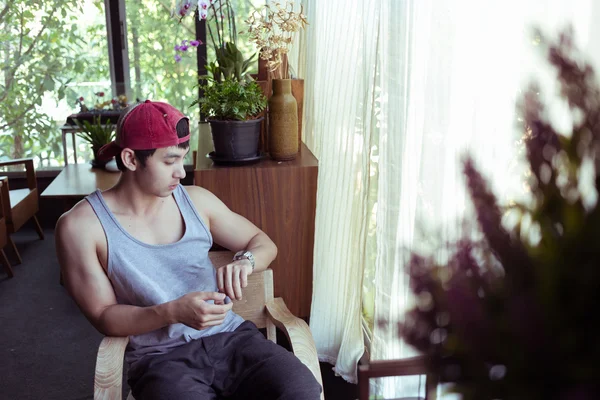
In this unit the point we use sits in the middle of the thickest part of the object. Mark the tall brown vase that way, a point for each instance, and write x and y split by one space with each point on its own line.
283 121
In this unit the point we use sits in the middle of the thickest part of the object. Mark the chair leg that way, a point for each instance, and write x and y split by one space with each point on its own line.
15 250
38 228
6 264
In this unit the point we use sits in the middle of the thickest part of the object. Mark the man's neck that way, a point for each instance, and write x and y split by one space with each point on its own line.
130 199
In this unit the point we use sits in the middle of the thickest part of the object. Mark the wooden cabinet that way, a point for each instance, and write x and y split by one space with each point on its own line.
280 198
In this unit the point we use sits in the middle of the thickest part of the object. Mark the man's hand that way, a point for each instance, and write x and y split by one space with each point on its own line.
231 278
194 310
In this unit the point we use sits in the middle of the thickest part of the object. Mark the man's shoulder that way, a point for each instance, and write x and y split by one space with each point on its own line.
198 193
78 220
194 189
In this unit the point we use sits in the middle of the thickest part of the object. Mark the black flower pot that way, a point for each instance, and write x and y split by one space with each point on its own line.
236 140
96 163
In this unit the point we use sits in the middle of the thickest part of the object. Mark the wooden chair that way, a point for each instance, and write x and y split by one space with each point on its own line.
20 205
3 239
403 367
258 306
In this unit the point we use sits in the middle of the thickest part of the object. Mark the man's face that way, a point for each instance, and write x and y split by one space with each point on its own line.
163 171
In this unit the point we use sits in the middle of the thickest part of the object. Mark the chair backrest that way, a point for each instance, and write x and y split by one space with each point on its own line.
258 292
3 234
5 197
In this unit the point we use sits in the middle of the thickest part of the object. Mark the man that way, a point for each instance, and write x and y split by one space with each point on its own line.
135 260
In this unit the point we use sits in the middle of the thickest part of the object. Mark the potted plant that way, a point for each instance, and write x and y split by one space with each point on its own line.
97 134
272 29
232 108
231 101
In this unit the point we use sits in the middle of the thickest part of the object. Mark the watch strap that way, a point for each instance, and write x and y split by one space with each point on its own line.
245 254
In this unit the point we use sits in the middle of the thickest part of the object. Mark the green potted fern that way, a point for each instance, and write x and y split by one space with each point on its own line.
233 110
97 134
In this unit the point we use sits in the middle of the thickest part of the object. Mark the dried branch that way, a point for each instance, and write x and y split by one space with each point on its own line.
272 28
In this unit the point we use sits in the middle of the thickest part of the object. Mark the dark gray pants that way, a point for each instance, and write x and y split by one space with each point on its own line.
235 365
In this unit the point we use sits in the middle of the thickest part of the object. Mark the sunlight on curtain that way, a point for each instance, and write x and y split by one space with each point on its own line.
396 92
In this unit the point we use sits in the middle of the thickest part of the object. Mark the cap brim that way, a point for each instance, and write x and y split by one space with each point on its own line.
108 151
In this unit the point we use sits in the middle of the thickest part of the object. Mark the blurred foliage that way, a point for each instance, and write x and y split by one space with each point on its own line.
513 316
38 44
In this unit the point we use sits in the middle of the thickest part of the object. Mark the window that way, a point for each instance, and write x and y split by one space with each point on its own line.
57 51
152 34
52 52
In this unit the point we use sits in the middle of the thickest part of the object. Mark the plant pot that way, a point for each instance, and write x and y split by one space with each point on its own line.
283 121
235 140
95 162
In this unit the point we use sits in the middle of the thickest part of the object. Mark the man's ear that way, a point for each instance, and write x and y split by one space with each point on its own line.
129 159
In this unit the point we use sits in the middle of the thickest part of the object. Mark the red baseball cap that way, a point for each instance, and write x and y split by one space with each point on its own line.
145 126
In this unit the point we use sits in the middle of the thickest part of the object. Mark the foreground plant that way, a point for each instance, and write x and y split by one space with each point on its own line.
513 316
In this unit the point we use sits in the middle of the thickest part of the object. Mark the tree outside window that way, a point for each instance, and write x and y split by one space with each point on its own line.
53 52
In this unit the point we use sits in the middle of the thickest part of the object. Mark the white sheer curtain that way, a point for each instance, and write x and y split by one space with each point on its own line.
396 91
464 64
339 69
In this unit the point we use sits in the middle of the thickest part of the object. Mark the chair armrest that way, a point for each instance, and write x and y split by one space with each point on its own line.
108 381
298 334
29 170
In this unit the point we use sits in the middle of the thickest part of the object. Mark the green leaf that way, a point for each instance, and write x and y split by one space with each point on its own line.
48 83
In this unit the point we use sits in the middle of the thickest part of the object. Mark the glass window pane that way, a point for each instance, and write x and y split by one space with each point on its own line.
53 52
152 34
242 10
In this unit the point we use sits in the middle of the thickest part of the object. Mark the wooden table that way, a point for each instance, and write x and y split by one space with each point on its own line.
76 181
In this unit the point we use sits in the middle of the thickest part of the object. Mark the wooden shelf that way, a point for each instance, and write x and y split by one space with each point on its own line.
280 198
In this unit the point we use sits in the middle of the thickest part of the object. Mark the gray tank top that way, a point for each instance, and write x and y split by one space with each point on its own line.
145 275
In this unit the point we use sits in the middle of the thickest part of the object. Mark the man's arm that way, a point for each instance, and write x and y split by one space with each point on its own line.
235 233
88 284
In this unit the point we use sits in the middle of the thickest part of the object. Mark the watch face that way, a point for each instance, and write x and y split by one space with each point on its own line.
245 254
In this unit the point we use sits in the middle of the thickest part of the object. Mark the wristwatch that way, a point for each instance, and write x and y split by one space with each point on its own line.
244 254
